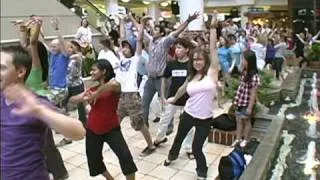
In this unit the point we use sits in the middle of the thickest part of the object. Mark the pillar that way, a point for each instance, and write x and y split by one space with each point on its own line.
290 13
188 7
154 11
111 7
244 19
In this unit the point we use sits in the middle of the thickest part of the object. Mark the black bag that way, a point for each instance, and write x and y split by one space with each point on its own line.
251 147
232 166
225 123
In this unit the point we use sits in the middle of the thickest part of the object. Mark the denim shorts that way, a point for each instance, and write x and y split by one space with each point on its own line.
242 113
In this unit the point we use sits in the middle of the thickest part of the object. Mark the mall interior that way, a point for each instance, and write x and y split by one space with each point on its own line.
296 14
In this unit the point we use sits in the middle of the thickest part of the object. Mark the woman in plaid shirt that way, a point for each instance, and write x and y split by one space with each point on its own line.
246 97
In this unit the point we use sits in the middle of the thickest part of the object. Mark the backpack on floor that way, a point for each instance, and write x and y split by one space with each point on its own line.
232 165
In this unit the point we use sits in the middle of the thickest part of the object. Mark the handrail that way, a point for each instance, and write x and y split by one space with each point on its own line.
91 6
94 7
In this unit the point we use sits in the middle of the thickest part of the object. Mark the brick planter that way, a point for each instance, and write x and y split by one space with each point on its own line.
314 64
222 137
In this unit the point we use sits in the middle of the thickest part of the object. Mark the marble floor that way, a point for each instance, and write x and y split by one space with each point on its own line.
150 167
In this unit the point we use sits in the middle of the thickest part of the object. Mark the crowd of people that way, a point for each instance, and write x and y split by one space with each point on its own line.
138 61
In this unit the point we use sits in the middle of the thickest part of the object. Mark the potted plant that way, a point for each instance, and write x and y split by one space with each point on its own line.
314 56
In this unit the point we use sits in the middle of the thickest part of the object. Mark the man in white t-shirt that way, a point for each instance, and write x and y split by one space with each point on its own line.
130 100
108 53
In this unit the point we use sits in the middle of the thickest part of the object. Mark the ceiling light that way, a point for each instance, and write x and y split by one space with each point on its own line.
146 2
125 1
164 4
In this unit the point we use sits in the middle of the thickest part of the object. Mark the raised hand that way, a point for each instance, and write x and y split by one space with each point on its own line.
214 21
193 16
145 19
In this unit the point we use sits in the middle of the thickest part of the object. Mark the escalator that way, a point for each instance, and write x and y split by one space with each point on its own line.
95 15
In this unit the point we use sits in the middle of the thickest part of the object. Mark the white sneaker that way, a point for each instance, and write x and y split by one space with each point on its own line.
243 143
237 141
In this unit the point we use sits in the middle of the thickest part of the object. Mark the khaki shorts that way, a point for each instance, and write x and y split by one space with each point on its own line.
130 105
57 95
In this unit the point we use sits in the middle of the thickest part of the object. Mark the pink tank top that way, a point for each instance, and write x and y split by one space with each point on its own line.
200 102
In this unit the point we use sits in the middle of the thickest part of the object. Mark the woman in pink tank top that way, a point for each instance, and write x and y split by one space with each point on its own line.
201 87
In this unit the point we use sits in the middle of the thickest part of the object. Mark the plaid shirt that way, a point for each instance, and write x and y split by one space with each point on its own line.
243 93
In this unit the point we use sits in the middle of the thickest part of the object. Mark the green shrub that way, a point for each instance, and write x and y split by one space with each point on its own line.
314 52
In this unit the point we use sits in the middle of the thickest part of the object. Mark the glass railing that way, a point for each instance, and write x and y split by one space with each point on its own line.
86 9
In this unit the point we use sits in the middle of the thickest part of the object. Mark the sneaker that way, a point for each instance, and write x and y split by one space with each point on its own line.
147 151
236 142
158 143
243 143
157 119
64 142
201 178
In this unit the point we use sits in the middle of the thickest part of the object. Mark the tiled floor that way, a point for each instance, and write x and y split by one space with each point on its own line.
150 167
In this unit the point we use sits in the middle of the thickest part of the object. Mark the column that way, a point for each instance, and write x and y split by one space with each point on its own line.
188 7
290 13
111 7
154 11
244 19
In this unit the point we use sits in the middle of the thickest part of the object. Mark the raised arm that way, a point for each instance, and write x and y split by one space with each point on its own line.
140 34
272 33
314 38
34 43
213 71
184 25
300 39
122 28
23 31
55 25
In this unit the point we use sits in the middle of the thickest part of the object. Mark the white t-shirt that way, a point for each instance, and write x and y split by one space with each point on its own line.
84 35
111 57
260 52
127 73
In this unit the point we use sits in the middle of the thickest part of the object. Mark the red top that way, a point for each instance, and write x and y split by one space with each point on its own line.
103 114
291 45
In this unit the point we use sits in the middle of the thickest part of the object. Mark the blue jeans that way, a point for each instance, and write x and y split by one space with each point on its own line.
242 113
150 88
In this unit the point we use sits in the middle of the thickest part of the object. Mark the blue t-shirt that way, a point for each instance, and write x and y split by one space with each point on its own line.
236 51
58 70
22 145
224 55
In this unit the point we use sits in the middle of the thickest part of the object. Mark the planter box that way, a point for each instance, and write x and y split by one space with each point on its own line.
222 137
314 64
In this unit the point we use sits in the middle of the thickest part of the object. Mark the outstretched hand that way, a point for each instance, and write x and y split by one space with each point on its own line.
170 100
193 16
